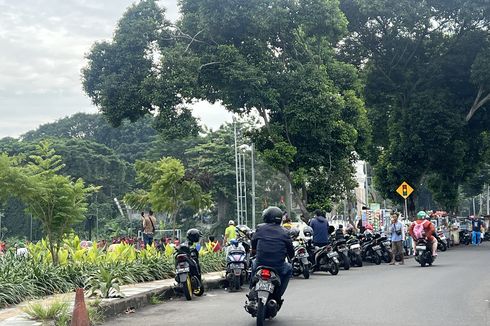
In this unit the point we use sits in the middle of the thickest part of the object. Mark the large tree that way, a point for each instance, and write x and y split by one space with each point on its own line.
276 59
426 65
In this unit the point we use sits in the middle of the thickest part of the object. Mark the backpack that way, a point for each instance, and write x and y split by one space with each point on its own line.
418 230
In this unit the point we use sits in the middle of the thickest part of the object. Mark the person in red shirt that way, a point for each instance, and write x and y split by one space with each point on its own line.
423 228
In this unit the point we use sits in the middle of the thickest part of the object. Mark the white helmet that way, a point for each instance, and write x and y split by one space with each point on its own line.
231 222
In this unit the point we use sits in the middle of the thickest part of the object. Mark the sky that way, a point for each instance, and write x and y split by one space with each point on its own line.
42 48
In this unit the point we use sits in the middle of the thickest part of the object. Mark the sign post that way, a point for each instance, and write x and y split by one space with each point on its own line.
405 190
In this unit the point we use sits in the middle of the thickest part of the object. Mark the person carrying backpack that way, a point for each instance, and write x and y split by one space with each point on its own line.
423 228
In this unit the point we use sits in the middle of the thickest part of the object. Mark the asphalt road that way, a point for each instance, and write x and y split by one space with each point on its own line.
454 291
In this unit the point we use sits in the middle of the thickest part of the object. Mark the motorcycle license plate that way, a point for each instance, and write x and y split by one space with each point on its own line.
387 243
421 247
305 261
183 270
302 255
234 266
332 254
264 286
355 246
376 247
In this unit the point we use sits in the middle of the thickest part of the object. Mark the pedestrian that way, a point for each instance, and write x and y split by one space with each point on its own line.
230 232
476 234
319 224
286 222
148 227
396 239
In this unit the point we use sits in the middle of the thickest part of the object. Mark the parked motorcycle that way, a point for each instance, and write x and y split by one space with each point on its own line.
340 246
385 244
424 253
465 237
300 262
236 265
266 283
188 271
370 250
325 259
441 241
354 250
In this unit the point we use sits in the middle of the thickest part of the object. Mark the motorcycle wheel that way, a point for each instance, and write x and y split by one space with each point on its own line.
359 261
334 268
187 288
306 273
198 288
387 256
236 283
441 246
346 262
260 313
422 262
376 259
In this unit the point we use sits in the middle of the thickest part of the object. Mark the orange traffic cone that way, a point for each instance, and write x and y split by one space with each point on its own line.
80 312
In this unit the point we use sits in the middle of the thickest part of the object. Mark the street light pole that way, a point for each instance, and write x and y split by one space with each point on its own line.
253 187
236 175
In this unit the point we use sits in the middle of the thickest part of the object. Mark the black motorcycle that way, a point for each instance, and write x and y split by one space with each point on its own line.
354 250
385 244
300 262
265 304
424 253
188 271
370 250
465 237
340 246
324 259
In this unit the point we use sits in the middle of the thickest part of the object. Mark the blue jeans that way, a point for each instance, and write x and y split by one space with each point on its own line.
475 238
148 239
285 273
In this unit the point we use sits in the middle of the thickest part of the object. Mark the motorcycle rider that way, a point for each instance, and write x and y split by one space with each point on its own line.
271 244
427 231
319 224
230 232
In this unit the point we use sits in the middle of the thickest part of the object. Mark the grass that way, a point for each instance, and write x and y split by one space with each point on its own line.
55 311
155 299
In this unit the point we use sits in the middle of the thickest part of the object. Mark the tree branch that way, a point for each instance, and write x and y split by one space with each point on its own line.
477 103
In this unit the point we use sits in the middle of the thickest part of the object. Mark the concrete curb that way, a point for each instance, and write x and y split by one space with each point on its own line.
114 307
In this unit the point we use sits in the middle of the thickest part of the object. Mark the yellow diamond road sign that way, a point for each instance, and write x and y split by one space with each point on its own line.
404 190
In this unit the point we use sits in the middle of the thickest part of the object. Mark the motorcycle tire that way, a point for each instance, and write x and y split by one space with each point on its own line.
236 283
198 287
359 261
187 288
346 262
376 259
387 257
260 313
441 246
306 273
334 268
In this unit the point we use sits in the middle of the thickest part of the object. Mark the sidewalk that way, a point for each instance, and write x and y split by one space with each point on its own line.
136 296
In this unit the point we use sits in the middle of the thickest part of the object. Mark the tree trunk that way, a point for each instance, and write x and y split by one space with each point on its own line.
298 196
223 204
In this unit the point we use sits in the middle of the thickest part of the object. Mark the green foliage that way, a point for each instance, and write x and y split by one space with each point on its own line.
56 200
105 284
54 311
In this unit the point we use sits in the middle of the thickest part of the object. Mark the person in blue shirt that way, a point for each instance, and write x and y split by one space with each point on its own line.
319 224
271 245
396 229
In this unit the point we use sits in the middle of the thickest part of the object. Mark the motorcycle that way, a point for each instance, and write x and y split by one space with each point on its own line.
354 251
465 237
341 248
424 253
236 265
188 271
370 251
385 244
325 259
266 283
301 263
441 241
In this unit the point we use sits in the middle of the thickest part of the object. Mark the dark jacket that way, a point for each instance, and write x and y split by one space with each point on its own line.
319 224
272 245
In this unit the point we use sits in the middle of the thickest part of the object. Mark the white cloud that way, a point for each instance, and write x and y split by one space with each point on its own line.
42 49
